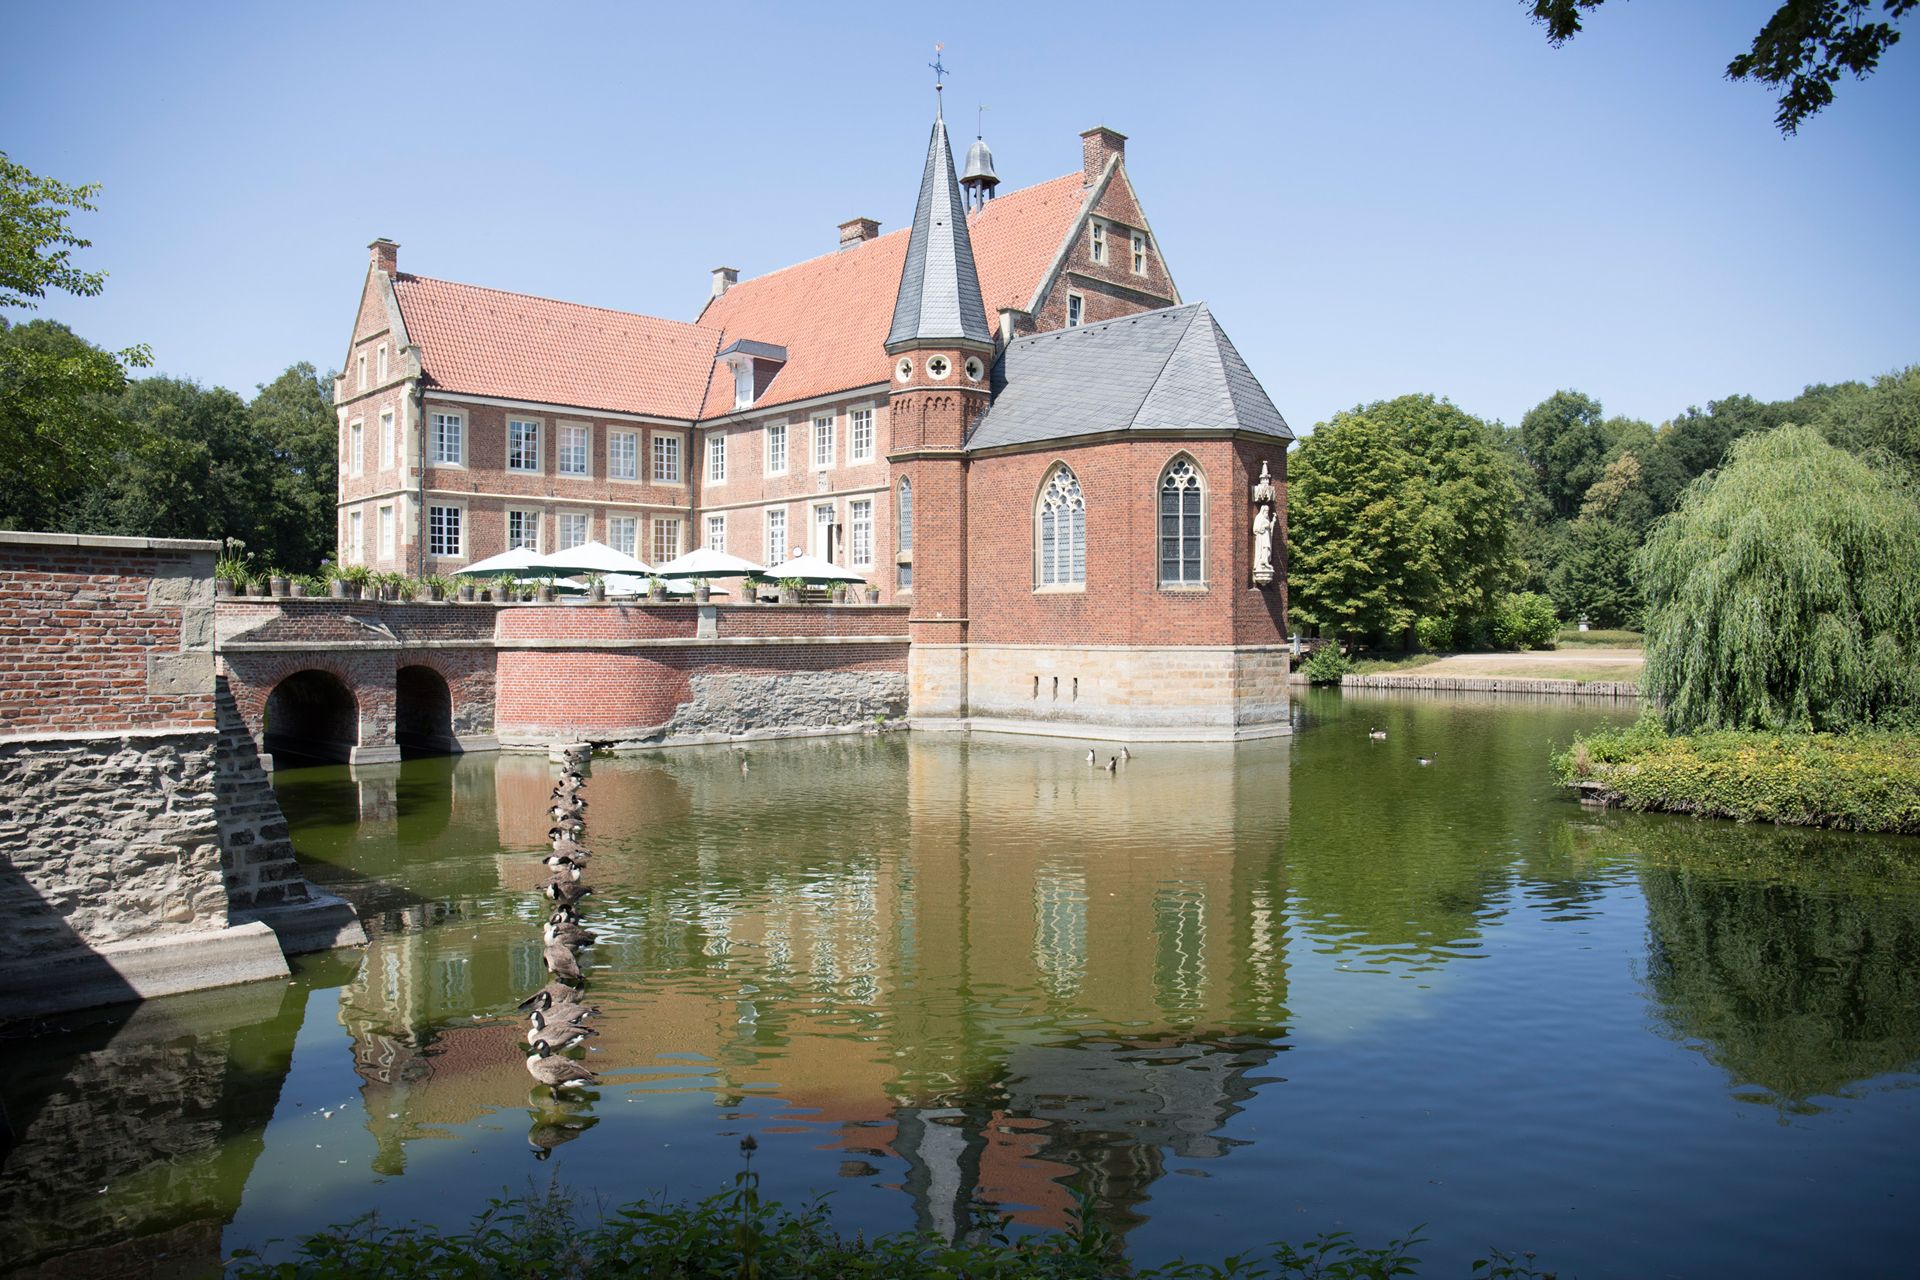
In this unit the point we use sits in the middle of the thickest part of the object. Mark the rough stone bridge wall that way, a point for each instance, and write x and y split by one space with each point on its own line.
132 857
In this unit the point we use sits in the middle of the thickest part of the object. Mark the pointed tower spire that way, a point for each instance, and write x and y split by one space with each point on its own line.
939 298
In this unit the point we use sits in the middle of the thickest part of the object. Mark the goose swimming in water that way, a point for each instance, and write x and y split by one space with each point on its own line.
557 995
1092 758
555 1073
558 1035
1125 754
1378 735
1423 760
1113 764
567 890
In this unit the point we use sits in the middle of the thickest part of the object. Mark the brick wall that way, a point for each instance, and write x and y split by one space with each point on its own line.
103 634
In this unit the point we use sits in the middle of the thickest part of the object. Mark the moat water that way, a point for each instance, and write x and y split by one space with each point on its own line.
1232 993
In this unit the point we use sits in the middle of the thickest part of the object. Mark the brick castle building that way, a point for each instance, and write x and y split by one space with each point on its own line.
1005 417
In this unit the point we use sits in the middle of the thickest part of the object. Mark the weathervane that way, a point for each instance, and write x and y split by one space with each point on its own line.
980 122
938 72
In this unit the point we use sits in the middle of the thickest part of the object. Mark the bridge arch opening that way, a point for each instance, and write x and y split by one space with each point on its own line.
423 713
312 718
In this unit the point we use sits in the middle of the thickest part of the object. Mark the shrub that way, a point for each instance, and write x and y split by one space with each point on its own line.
1525 621
1438 634
1326 666
1856 782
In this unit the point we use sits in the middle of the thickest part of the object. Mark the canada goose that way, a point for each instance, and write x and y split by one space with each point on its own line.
568 933
1125 754
1092 758
572 849
550 1010
743 764
1113 764
554 1072
562 889
1423 760
558 995
563 866
571 829
557 1034
1378 735
562 964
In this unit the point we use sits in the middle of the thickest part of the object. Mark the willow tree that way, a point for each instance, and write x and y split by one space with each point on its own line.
1784 593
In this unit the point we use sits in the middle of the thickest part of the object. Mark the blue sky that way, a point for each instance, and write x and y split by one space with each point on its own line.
1375 197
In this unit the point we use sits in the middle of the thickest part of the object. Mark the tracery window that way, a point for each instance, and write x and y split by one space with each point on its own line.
1182 524
1060 531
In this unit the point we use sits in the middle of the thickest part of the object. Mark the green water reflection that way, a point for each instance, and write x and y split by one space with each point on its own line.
1309 973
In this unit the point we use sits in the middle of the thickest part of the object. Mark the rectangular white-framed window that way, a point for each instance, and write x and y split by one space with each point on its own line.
623 534
742 384
380 364
386 531
823 441
445 529
1139 253
776 535
666 458
523 445
523 531
576 447
386 439
1076 310
623 455
860 531
1097 249
825 522
666 538
449 439
363 371
716 459
860 435
357 449
717 532
356 546
571 529
776 448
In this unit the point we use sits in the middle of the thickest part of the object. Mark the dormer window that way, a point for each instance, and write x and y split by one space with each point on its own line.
742 384
750 360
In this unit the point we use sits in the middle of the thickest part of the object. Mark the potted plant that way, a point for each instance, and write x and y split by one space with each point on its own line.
278 583
873 594
702 589
466 590
790 589
359 580
657 590
229 575
596 587
546 591
839 595
505 589
405 589
437 585
749 590
337 584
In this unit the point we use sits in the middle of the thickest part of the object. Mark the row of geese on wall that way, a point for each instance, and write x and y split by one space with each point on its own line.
559 1019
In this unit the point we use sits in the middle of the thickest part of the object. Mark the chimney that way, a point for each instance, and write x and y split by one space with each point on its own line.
385 255
1098 145
855 231
724 278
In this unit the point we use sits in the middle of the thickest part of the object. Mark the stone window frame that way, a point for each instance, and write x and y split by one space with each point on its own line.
460 521
1097 241
854 416
357 447
622 433
363 372
436 419
677 454
782 546
1181 584
1138 239
532 517
386 523
560 430
822 427
539 455
656 525
714 520
380 365
389 438
903 533
1057 572
634 520
356 538
859 556
560 517
1076 310
784 453
716 457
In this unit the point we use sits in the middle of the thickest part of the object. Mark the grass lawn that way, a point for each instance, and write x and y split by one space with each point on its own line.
1604 639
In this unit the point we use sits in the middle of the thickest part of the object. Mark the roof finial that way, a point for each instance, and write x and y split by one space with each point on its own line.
938 72
980 121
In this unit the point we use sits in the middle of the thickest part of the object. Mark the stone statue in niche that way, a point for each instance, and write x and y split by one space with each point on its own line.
1263 525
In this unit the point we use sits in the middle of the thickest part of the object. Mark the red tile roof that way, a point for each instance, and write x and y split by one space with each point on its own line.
492 343
832 312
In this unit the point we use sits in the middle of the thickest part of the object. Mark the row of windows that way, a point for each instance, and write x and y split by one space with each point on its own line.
1098 234
354 459
380 367
447 447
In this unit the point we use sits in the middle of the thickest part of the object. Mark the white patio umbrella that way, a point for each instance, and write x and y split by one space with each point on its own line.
812 569
590 557
517 561
705 562
627 584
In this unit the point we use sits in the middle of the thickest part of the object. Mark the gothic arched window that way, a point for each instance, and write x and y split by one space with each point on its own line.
1060 531
1183 498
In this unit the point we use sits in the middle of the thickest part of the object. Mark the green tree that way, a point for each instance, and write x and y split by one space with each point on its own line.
1801 51
292 418
1785 593
1880 423
1398 509
1594 576
1567 444
36 245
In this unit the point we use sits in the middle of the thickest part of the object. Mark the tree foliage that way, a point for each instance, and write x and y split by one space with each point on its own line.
1800 51
1785 593
36 245
1398 509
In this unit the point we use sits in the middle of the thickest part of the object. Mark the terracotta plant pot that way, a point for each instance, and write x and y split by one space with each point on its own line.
597 592
298 590
222 587
280 586
257 589
338 588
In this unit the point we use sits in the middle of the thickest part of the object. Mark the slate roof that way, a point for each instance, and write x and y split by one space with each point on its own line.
939 295
831 312
493 343
1172 369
